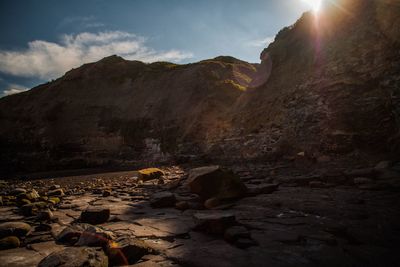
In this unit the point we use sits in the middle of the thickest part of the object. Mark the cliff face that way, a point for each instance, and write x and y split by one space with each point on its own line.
333 86
327 86
116 111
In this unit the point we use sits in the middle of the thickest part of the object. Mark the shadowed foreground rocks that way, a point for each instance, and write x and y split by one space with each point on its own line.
285 216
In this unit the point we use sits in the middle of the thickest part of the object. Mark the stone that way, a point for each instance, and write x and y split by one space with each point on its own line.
76 257
233 233
212 203
43 227
127 251
34 238
182 205
17 191
150 174
215 222
162 200
214 181
20 257
56 192
70 234
32 195
54 187
95 215
85 235
106 193
9 242
32 208
22 202
93 236
54 200
45 215
18 229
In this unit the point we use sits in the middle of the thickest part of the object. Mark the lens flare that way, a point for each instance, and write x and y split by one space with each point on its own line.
314 4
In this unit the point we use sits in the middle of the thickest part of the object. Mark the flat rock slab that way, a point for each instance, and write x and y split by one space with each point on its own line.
19 257
46 248
76 257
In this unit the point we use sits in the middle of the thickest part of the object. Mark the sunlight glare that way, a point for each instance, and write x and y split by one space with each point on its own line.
314 4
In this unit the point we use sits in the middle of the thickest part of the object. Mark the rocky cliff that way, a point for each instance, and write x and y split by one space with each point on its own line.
327 85
333 86
115 111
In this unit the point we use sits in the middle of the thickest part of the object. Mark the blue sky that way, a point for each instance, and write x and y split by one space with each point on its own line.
42 39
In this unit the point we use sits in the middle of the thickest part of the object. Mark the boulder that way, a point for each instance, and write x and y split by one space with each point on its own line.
95 215
150 174
76 257
214 181
93 236
9 242
54 200
127 251
33 208
215 222
85 235
212 203
162 200
70 234
56 192
14 229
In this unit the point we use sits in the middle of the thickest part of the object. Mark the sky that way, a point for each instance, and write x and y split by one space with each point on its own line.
40 40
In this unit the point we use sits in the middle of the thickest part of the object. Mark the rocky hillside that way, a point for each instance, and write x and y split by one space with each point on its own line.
327 86
333 87
116 111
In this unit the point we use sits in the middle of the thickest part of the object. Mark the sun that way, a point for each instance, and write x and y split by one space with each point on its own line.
314 4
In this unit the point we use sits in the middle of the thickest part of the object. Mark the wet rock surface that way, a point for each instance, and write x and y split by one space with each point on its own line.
325 216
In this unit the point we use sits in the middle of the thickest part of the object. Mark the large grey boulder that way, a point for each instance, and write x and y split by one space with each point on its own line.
214 181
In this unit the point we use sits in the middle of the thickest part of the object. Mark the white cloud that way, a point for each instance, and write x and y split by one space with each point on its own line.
261 42
14 89
49 60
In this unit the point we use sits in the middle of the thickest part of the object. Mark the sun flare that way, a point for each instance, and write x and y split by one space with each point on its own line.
314 4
